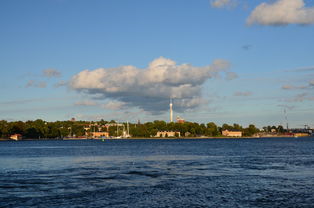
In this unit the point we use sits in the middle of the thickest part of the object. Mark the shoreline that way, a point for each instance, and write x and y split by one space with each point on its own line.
158 138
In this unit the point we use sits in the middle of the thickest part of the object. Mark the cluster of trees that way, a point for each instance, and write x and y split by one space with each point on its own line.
277 129
59 129
41 129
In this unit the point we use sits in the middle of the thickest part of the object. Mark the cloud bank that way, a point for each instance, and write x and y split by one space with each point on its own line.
282 12
150 89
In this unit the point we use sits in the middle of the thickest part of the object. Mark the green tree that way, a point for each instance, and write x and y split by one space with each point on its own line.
226 127
251 130
280 129
212 129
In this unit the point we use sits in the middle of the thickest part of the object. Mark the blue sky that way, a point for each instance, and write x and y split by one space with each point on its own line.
226 61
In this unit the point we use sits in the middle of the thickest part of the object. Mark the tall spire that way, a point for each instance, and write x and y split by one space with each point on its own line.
171 113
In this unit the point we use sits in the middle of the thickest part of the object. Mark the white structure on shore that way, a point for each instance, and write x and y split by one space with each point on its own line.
231 133
165 134
171 113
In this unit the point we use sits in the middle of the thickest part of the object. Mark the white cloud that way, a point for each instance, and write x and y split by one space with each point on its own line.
282 12
51 73
221 3
150 88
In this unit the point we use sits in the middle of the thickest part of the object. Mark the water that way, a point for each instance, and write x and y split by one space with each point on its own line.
158 173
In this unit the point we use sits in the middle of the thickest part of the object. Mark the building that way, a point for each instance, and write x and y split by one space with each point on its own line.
180 120
16 137
300 134
232 133
168 134
99 134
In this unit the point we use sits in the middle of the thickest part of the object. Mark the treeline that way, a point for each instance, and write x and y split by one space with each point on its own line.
39 129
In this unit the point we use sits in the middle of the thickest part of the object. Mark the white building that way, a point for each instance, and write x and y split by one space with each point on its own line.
168 134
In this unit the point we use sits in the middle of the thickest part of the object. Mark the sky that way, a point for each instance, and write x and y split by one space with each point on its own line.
222 61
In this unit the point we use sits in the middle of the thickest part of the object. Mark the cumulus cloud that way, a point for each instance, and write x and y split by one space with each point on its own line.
51 73
243 94
222 3
282 12
150 89
37 84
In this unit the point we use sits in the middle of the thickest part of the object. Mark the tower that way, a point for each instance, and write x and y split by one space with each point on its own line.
171 113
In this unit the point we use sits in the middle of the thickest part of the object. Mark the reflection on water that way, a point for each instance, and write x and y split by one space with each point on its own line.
158 173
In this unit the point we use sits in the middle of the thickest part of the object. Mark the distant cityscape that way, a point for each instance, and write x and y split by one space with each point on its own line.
73 129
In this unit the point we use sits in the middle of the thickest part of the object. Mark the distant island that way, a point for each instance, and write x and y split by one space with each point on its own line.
72 129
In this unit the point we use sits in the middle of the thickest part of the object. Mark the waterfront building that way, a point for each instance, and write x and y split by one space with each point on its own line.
168 134
16 137
232 133
99 134
301 134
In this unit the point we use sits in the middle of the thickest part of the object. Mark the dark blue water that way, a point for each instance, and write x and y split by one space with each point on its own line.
158 173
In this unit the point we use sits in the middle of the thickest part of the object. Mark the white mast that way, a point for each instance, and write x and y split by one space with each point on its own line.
171 113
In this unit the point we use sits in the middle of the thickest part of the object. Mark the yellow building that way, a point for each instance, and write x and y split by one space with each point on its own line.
300 134
232 133
99 134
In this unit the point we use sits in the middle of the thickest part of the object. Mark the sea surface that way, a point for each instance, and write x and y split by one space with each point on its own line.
265 172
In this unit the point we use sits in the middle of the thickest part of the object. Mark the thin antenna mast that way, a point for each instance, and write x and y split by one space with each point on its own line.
171 113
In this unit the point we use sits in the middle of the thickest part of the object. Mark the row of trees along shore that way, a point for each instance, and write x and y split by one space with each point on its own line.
40 129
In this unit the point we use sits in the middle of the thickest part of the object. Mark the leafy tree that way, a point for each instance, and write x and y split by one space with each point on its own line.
251 130
226 127
212 129
280 129
237 127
